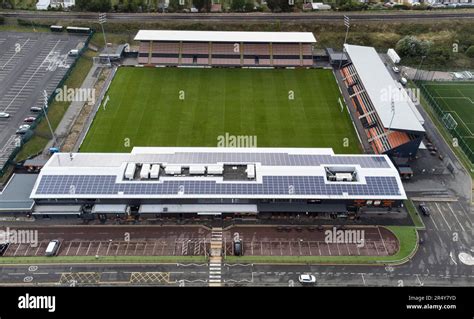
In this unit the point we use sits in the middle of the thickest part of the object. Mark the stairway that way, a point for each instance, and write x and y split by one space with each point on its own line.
215 259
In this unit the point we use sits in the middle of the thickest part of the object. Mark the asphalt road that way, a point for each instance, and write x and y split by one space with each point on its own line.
235 17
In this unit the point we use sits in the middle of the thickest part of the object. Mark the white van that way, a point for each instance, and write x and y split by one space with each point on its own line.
52 248
74 52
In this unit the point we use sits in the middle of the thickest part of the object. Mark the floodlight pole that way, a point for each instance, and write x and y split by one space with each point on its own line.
347 23
45 105
419 67
102 21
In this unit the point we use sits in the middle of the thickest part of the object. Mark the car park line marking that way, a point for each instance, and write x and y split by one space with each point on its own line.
21 47
337 245
383 242
442 215
454 214
16 273
31 77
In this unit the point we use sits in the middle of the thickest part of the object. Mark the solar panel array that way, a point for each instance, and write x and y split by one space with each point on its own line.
271 185
273 159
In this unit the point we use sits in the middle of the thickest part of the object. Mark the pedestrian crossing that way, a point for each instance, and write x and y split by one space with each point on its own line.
215 260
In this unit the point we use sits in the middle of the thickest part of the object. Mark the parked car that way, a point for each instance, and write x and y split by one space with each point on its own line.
23 129
396 69
4 115
52 248
29 119
425 210
238 248
35 109
307 279
403 81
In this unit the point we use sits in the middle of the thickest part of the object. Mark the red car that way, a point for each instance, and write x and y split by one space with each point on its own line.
30 119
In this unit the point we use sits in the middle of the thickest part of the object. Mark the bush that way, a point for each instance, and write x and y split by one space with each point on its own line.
410 46
470 51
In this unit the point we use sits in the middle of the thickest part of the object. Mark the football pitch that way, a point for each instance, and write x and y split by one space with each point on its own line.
456 99
205 107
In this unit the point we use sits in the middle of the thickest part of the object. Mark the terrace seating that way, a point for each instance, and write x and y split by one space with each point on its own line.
143 52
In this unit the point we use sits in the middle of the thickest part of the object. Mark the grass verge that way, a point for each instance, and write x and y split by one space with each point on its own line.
406 235
417 221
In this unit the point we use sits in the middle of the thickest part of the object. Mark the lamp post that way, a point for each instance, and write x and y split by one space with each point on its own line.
347 23
45 106
102 21
419 67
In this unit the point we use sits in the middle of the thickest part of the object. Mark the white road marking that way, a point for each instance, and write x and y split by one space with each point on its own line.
363 280
442 215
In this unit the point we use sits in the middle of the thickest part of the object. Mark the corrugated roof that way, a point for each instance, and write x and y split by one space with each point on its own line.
16 195
383 89
225 36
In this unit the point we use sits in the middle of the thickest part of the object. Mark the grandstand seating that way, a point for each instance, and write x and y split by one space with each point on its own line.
380 138
222 54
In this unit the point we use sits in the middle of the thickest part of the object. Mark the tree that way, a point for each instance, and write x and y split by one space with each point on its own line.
237 5
249 6
410 46
202 5
279 5
470 51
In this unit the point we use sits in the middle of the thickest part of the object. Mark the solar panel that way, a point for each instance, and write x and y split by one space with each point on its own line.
275 159
271 185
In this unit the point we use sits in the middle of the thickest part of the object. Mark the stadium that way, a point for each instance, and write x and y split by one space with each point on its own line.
165 140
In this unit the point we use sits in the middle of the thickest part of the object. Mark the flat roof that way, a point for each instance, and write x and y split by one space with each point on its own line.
16 195
382 89
279 173
225 36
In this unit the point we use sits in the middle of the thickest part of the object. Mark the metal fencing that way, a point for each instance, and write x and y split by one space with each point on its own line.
450 121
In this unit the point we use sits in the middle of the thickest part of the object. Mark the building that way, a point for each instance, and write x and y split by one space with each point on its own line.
225 48
153 181
390 119
45 4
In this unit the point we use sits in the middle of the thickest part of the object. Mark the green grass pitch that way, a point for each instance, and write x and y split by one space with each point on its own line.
456 98
193 107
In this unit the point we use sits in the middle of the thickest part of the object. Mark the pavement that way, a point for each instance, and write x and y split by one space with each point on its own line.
64 127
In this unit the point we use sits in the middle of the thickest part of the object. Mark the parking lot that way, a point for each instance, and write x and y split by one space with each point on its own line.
30 63
188 247
117 241
309 241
